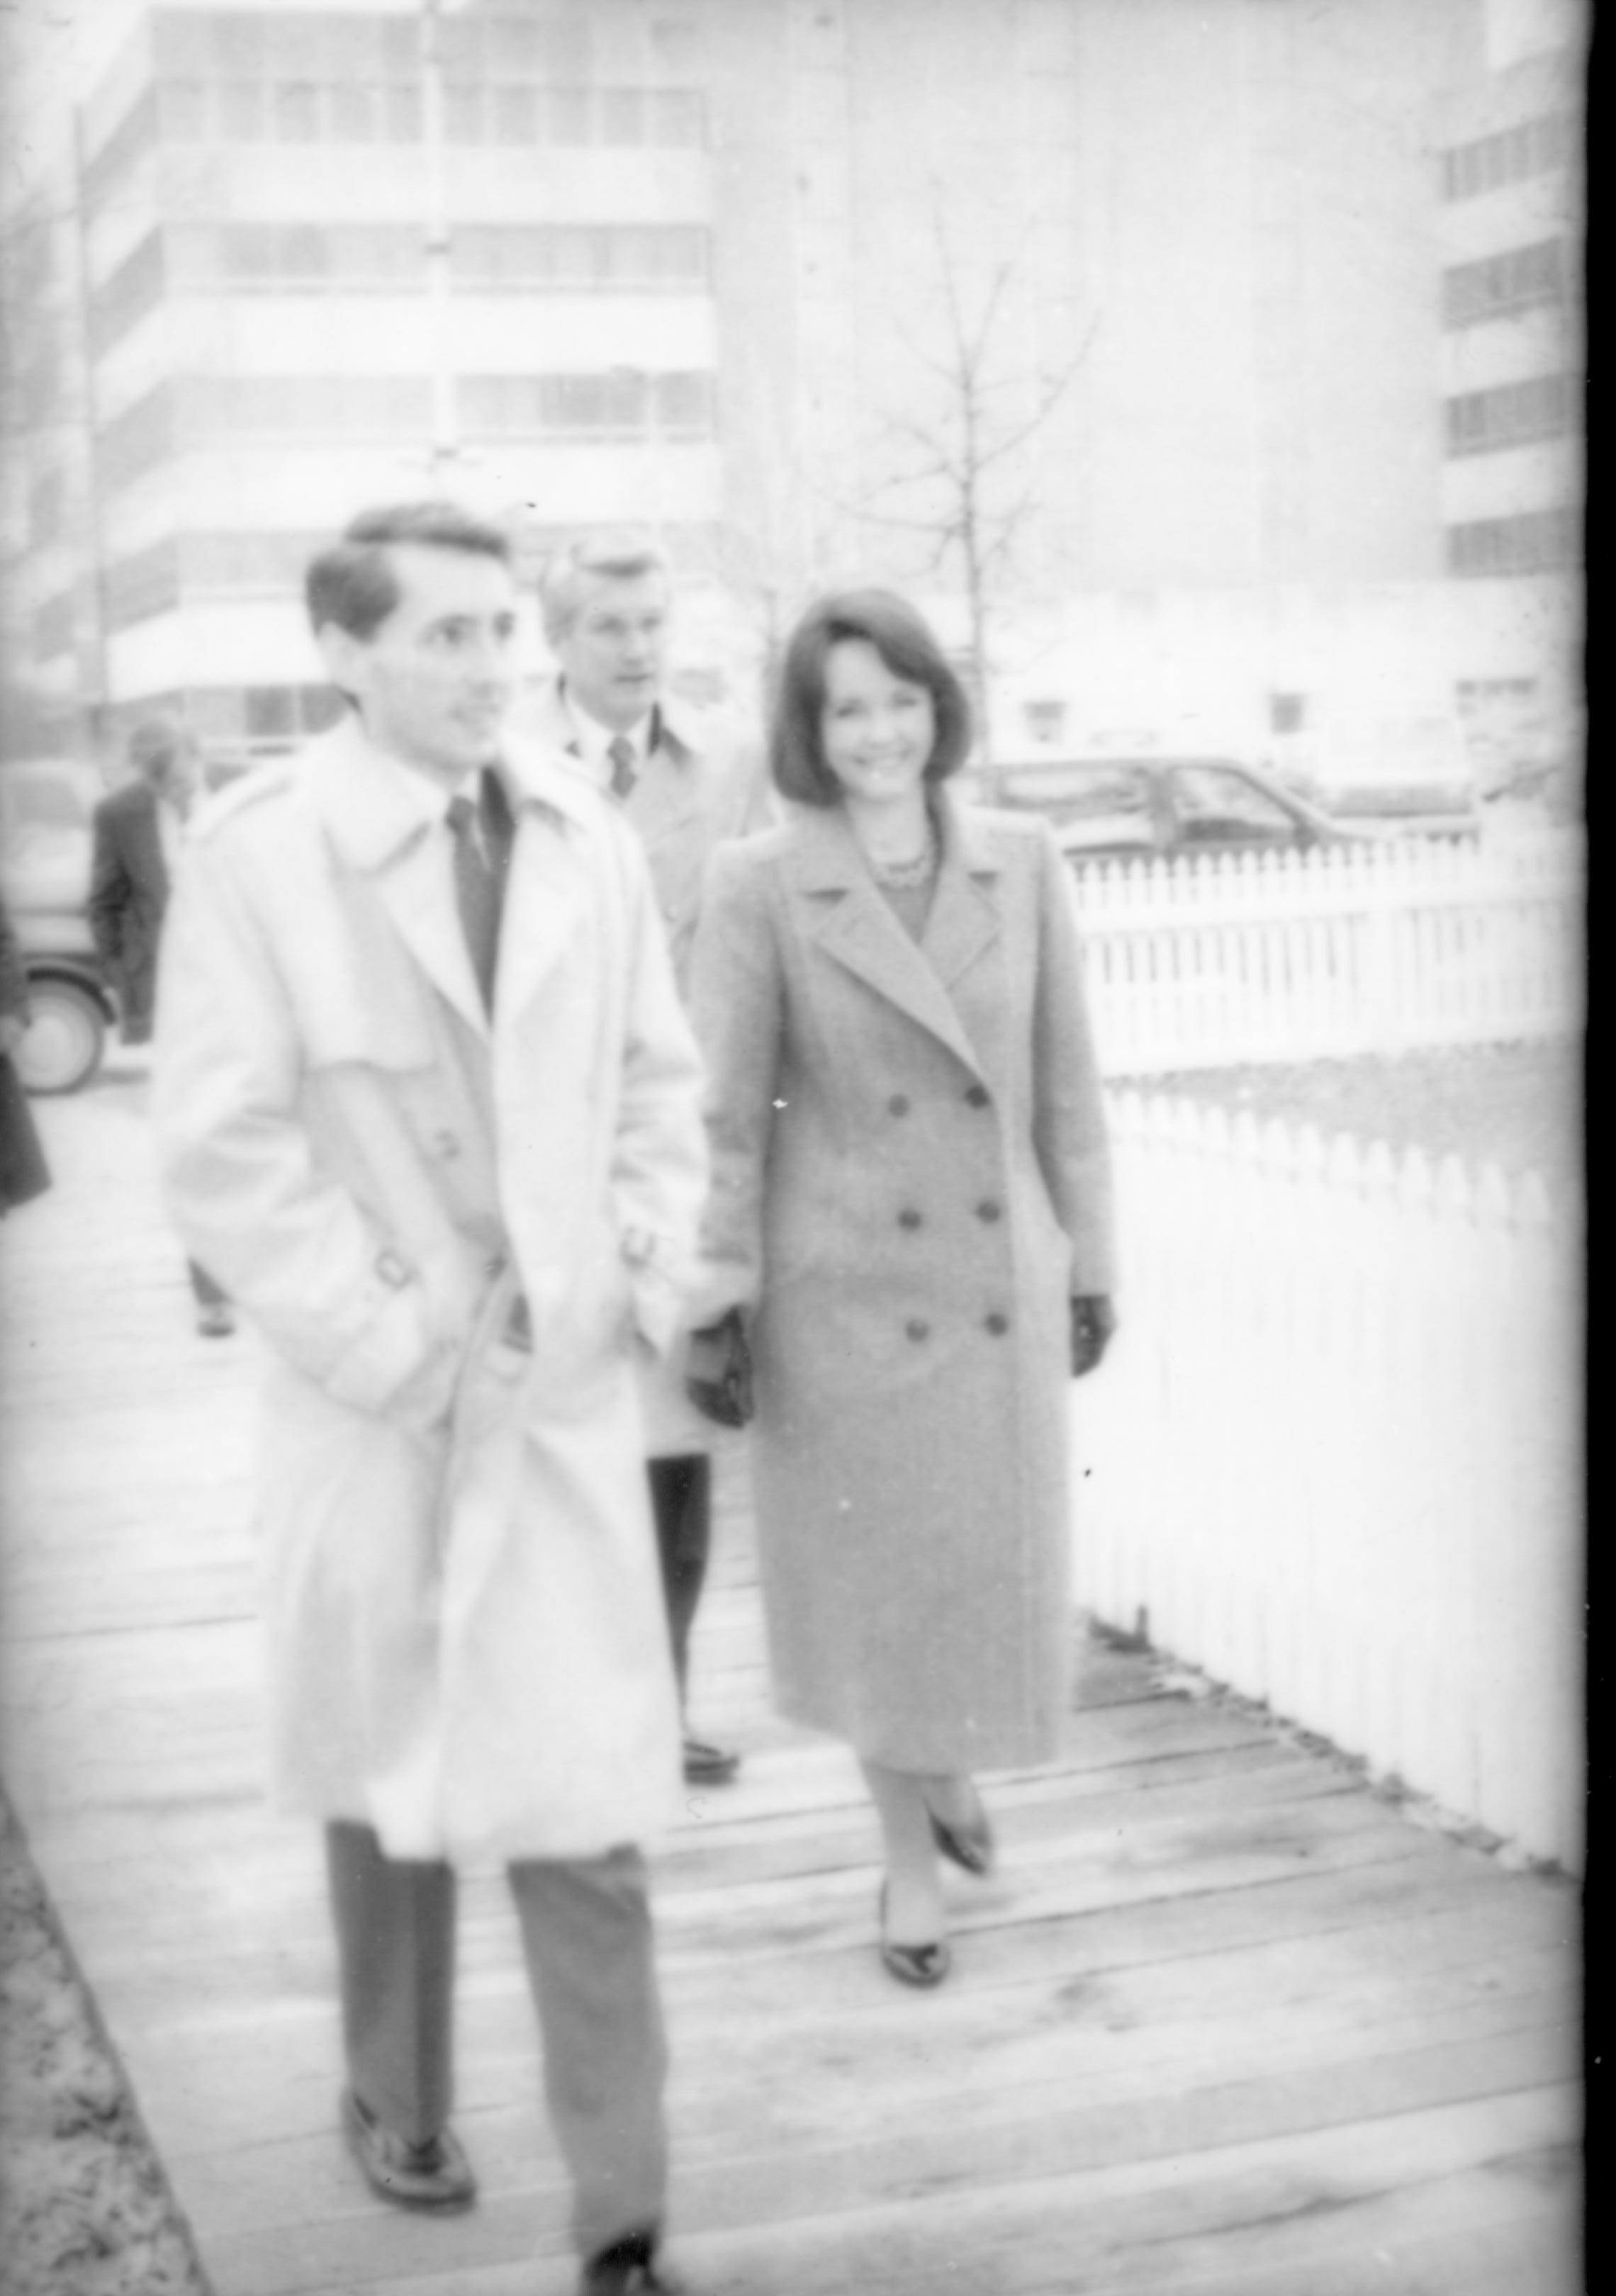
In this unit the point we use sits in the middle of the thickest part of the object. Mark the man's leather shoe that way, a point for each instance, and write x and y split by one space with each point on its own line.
709 1765
215 1320
435 2175
628 2267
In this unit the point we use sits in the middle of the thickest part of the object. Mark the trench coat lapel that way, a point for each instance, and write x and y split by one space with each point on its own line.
547 895
666 796
852 924
386 827
382 819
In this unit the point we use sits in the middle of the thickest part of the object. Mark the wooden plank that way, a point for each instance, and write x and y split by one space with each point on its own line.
989 2111
731 1940
1218 2005
979 2240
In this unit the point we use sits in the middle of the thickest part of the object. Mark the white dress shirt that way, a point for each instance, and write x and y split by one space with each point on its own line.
593 742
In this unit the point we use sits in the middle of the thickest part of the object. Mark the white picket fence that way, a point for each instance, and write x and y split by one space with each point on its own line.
1333 1458
1335 952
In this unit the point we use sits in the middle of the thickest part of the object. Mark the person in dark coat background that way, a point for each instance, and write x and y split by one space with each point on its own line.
688 779
23 1172
909 1232
139 834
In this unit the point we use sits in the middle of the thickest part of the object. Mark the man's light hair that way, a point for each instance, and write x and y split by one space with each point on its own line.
615 554
155 744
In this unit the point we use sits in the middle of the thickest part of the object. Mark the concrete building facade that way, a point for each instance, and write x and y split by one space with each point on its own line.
1143 320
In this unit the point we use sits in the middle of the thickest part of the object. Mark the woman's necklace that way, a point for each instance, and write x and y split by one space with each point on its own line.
900 876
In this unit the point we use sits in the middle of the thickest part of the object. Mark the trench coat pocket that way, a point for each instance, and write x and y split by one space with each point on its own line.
390 1362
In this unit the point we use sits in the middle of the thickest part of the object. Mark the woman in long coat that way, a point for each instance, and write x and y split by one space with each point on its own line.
908 1239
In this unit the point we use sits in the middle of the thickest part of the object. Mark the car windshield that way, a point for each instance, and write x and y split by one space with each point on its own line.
1105 808
1218 805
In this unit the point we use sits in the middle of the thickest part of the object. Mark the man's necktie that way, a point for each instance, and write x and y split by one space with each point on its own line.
478 890
621 750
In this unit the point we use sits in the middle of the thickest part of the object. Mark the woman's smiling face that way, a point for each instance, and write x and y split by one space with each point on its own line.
877 730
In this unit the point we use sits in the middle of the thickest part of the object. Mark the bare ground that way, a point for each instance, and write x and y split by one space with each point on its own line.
84 2210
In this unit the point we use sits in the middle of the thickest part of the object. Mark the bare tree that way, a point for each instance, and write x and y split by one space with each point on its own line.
961 454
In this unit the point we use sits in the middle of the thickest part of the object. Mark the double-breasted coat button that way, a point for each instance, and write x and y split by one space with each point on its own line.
914 1329
988 1209
899 1105
908 1217
977 1095
446 1145
997 1324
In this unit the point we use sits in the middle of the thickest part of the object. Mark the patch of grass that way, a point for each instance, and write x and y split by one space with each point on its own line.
1518 1106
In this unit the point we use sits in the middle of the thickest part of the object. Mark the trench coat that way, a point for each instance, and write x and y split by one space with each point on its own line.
128 898
910 1182
703 783
467 1646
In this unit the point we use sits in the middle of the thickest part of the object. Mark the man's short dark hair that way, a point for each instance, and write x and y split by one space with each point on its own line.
905 644
355 583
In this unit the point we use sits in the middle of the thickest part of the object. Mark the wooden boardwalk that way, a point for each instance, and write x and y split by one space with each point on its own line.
1225 2023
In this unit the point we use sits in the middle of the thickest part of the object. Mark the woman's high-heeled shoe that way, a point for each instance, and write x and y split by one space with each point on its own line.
970 1845
913 1964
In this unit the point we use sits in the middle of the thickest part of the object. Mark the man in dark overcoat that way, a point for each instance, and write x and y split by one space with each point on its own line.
139 832
688 777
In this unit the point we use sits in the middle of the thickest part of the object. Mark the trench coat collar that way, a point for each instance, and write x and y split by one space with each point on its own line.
384 819
669 792
857 928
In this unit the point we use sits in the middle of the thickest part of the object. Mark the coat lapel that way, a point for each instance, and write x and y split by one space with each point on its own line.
381 818
964 923
668 794
547 894
853 923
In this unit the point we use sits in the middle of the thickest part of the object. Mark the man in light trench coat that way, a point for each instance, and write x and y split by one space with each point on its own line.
687 778
427 1101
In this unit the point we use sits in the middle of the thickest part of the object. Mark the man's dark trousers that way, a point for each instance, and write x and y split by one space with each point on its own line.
681 1501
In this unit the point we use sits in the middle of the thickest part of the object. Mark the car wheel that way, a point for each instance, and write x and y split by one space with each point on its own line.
66 1034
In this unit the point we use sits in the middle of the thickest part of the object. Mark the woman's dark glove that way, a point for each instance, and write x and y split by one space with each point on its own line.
719 1371
1093 1319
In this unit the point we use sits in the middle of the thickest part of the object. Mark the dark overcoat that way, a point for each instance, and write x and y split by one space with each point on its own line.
703 783
128 898
23 1172
910 1182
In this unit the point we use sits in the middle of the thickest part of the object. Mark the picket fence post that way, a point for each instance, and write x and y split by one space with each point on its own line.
1331 1458
1337 951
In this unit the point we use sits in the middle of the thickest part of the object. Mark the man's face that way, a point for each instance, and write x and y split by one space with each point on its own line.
433 682
177 778
612 655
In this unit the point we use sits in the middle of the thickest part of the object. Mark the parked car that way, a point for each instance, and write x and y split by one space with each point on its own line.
1155 808
45 806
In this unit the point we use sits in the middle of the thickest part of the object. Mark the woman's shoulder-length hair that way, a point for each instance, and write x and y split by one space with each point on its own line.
909 650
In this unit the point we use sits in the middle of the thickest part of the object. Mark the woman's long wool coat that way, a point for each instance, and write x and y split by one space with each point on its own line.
910 1183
